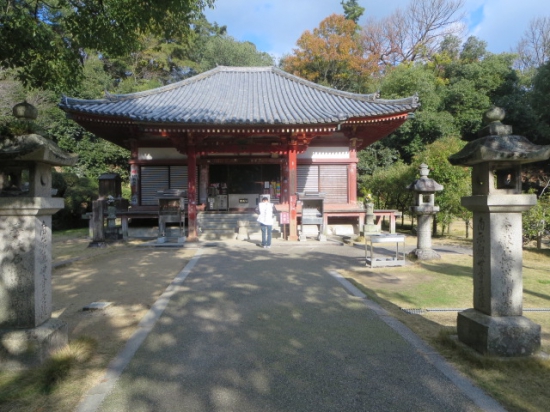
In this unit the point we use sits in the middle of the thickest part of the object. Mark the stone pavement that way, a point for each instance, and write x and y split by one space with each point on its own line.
243 328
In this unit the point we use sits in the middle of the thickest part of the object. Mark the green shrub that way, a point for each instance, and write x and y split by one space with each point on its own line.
536 220
78 192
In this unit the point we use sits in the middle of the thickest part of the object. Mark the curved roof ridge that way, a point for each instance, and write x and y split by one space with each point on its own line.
372 97
111 97
414 100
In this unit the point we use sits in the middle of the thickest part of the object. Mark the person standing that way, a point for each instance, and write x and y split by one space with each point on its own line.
265 219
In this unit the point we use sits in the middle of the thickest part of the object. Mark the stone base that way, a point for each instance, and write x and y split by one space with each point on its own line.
320 238
424 254
28 348
309 231
371 230
165 240
498 336
97 243
242 233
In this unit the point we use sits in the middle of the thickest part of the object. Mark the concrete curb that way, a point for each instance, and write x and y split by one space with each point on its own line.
480 398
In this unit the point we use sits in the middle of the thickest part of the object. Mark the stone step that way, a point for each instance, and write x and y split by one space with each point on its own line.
225 226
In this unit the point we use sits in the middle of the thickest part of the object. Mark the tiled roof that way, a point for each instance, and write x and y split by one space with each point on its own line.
241 96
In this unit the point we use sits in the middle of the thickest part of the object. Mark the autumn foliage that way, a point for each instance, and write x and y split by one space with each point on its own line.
332 55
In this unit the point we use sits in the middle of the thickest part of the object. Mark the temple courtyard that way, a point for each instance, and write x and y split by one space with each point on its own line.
212 313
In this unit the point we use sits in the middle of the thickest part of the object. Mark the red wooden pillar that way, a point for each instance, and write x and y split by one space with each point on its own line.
292 189
352 174
134 175
203 183
192 232
134 184
284 182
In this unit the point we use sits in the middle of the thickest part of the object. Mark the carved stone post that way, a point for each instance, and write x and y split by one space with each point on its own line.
495 325
27 333
97 224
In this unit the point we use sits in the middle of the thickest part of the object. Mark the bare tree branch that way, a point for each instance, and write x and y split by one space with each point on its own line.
533 48
413 33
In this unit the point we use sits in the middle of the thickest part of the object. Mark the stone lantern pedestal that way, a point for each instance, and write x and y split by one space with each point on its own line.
496 325
27 333
425 210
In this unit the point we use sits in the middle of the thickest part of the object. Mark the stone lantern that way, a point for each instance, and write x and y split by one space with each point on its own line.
27 333
425 209
496 325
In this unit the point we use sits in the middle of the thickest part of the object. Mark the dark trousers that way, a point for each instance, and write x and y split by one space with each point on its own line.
266 234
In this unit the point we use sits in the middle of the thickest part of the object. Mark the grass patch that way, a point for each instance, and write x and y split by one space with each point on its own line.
434 284
519 383
23 390
69 233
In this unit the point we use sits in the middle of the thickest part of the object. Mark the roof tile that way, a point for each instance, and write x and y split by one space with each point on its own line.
241 96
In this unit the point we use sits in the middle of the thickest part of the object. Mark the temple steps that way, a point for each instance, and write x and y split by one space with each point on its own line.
230 226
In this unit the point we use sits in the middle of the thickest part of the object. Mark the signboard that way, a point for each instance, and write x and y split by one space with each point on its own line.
284 218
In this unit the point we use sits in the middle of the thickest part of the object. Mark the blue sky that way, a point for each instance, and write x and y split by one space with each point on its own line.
275 25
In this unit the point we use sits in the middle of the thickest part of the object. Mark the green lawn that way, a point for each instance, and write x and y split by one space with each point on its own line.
519 384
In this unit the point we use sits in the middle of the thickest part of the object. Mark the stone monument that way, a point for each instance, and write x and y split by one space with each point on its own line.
496 325
97 224
27 333
370 228
425 210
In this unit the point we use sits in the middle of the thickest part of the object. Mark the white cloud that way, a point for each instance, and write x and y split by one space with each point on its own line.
275 25
504 22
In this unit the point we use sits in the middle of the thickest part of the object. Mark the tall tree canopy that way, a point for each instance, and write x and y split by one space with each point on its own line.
158 61
455 89
226 51
474 84
541 97
332 55
352 10
45 40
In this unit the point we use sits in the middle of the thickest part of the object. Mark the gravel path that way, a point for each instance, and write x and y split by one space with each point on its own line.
249 329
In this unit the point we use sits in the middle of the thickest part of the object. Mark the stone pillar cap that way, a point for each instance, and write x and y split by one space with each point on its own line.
499 145
425 184
35 148
500 149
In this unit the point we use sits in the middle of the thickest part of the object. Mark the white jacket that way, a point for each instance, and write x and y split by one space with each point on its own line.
266 213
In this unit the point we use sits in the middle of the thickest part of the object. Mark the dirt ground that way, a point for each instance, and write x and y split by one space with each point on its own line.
128 275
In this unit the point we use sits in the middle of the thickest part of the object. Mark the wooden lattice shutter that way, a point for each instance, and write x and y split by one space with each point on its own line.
334 183
178 177
308 178
153 179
